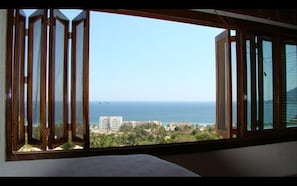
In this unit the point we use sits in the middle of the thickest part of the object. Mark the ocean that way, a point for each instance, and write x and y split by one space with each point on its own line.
202 113
194 112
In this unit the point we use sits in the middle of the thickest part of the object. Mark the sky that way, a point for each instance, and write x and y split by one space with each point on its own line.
143 59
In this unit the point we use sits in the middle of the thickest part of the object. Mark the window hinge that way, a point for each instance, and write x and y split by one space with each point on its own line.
47 131
25 79
14 20
48 21
69 35
233 38
256 45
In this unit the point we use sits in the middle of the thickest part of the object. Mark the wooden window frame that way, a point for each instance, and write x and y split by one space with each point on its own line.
53 142
282 80
223 84
18 104
244 138
84 140
40 14
16 79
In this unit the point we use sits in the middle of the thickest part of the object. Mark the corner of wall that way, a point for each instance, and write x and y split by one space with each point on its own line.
3 26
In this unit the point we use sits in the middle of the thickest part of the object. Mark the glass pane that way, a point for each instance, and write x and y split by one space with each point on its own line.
257 82
20 79
25 105
26 85
36 79
234 84
59 79
267 85
248 86
221 52
226 87
232 32
79 80
290 97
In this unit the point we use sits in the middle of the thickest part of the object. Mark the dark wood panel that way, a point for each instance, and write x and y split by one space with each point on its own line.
282 15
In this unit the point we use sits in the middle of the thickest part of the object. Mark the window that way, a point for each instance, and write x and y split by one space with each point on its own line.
50 95
158 89
290 87
46 79
260 83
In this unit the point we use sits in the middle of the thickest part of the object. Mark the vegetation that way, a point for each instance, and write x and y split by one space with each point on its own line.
144 134
147 134
68 146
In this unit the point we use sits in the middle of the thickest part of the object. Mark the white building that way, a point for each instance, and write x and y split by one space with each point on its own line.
103 123
107 123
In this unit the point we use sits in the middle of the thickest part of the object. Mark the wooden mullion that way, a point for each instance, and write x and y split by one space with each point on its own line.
279 79
15 82
43 131
253 84
51 81
260 122
86 82
241 85
8 85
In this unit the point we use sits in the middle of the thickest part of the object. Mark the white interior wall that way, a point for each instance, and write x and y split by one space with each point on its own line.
3 20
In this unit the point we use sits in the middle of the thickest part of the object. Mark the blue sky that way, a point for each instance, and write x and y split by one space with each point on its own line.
142 59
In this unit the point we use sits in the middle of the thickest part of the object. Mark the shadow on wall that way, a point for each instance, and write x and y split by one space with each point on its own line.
264 160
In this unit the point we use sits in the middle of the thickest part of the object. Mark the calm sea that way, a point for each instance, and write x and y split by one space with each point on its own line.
194 112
